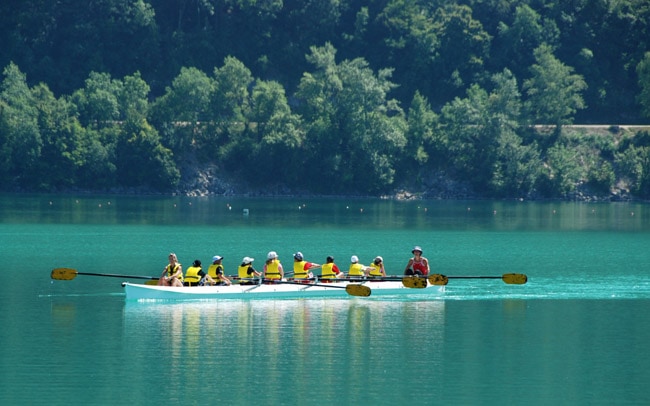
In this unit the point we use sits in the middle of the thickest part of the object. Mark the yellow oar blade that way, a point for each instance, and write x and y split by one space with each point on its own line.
515 278
414 282
63 274
358 290
439 280
152 282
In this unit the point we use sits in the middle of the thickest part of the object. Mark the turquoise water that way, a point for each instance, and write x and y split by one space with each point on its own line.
577 333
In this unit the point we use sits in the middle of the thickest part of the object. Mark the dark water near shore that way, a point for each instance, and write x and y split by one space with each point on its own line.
577 333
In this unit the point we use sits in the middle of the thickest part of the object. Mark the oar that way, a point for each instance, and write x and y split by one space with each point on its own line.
352 289
67 274
509 278
414 282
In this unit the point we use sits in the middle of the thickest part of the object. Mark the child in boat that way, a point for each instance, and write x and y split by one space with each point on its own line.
330 270
302 268
215 271
194 276
273 270
377 267
246 272
357 270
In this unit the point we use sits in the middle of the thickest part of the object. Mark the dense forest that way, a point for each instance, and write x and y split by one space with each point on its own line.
359 97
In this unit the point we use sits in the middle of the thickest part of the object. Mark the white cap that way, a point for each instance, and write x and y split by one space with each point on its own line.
247 260
272 255
354 259
379 258
216 258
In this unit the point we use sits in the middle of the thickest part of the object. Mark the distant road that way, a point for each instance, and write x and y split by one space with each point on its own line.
607 126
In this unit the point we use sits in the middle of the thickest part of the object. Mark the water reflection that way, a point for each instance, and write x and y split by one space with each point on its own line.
340 343
324 213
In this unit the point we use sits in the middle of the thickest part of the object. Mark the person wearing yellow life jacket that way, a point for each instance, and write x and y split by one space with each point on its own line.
377 267
215 271
172 274
330 271
273 270
246 272
194 276
357 270
302 268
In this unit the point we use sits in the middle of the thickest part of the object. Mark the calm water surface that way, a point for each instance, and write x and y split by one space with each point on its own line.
577 333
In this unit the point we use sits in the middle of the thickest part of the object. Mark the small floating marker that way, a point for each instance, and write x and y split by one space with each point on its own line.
553 211
50 202
347 207
361 210
426 209
99 205
494 212
245 212
469 209
632 214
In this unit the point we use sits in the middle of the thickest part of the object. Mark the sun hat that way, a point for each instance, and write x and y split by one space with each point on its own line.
272 255
216 258
298 256
416 248
247 260
354 259
378 259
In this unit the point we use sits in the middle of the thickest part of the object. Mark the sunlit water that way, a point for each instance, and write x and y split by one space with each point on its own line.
576 333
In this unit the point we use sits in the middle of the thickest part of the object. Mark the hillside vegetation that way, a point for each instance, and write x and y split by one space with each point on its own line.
439 99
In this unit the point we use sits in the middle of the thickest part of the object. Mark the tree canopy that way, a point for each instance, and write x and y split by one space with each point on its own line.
328 97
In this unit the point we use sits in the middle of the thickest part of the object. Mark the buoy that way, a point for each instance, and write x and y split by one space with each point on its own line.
245 212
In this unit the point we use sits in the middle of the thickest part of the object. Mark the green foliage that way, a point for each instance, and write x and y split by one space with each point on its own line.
643 72
136 85
553 90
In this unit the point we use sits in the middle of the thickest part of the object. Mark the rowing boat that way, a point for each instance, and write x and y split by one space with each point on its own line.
267 289
283 290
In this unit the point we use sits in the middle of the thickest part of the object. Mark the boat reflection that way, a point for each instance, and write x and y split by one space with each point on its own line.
279 340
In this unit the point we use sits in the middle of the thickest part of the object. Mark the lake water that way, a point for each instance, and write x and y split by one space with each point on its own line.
577 333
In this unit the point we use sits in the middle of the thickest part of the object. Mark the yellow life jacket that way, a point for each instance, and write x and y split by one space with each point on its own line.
376 270
356 270
212 271
171 271
192 274
242 271
273 270
328 271
299 271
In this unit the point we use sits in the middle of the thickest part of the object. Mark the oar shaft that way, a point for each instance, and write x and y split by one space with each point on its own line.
111 275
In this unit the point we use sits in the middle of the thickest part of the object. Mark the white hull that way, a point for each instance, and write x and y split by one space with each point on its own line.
270 291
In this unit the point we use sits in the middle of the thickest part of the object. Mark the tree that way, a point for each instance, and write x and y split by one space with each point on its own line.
141 160
643 73
425 146
184 109
355 129
483 143
527 32
553 90
98 102
20 140
276 134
